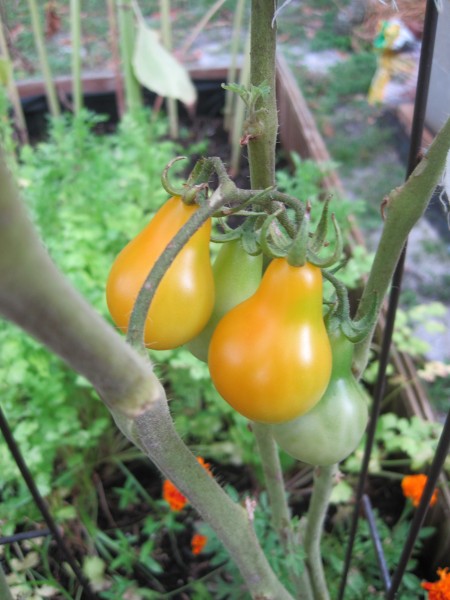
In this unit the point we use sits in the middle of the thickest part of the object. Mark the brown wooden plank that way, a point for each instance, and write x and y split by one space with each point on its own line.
101 82
298 129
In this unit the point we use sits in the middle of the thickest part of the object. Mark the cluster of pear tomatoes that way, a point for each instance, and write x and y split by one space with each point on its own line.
261 331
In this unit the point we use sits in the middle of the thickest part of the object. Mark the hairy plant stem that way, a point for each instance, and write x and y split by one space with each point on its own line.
261 149
261 152
5 592
274 479
38 298
232 523
281 518
323 483
404 207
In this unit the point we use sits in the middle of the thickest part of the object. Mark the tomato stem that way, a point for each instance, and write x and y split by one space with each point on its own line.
261 148
323 484
281 518
156 434
405 206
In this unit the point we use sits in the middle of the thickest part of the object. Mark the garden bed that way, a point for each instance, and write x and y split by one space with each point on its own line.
298 133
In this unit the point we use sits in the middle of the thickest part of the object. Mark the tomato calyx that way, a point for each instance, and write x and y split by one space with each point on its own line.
281 236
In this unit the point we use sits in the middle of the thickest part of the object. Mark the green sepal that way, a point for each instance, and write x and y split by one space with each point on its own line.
357 331
298 251
319 236
324 262
248 237
271 249
339 316
228 234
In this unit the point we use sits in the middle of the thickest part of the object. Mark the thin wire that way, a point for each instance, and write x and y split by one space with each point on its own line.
421 511
42 506
423 81
368 512
24 535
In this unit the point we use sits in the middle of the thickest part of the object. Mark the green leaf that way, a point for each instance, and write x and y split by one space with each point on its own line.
341 493
157 70
94 569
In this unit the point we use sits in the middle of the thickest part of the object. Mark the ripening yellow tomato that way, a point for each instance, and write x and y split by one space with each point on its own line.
184 299
270 356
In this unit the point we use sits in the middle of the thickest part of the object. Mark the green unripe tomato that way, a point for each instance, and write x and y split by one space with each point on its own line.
332 430
236 277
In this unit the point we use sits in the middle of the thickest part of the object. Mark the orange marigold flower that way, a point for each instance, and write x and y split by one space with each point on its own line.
204 464
173 496
198 542
413 486
438 590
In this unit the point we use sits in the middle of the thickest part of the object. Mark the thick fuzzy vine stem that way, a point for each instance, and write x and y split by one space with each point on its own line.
405 206
274 480
323 483
233 524
261 148
38 298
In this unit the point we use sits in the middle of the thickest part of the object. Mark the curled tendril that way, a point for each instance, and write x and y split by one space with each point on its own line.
170 189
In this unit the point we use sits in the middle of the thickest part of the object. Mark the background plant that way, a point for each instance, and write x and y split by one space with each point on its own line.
120 539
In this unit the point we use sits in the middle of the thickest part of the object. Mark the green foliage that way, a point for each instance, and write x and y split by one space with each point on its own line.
409 443
406 321
326 37
364 577
352 76
357 148
304 181
88 195
228 584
